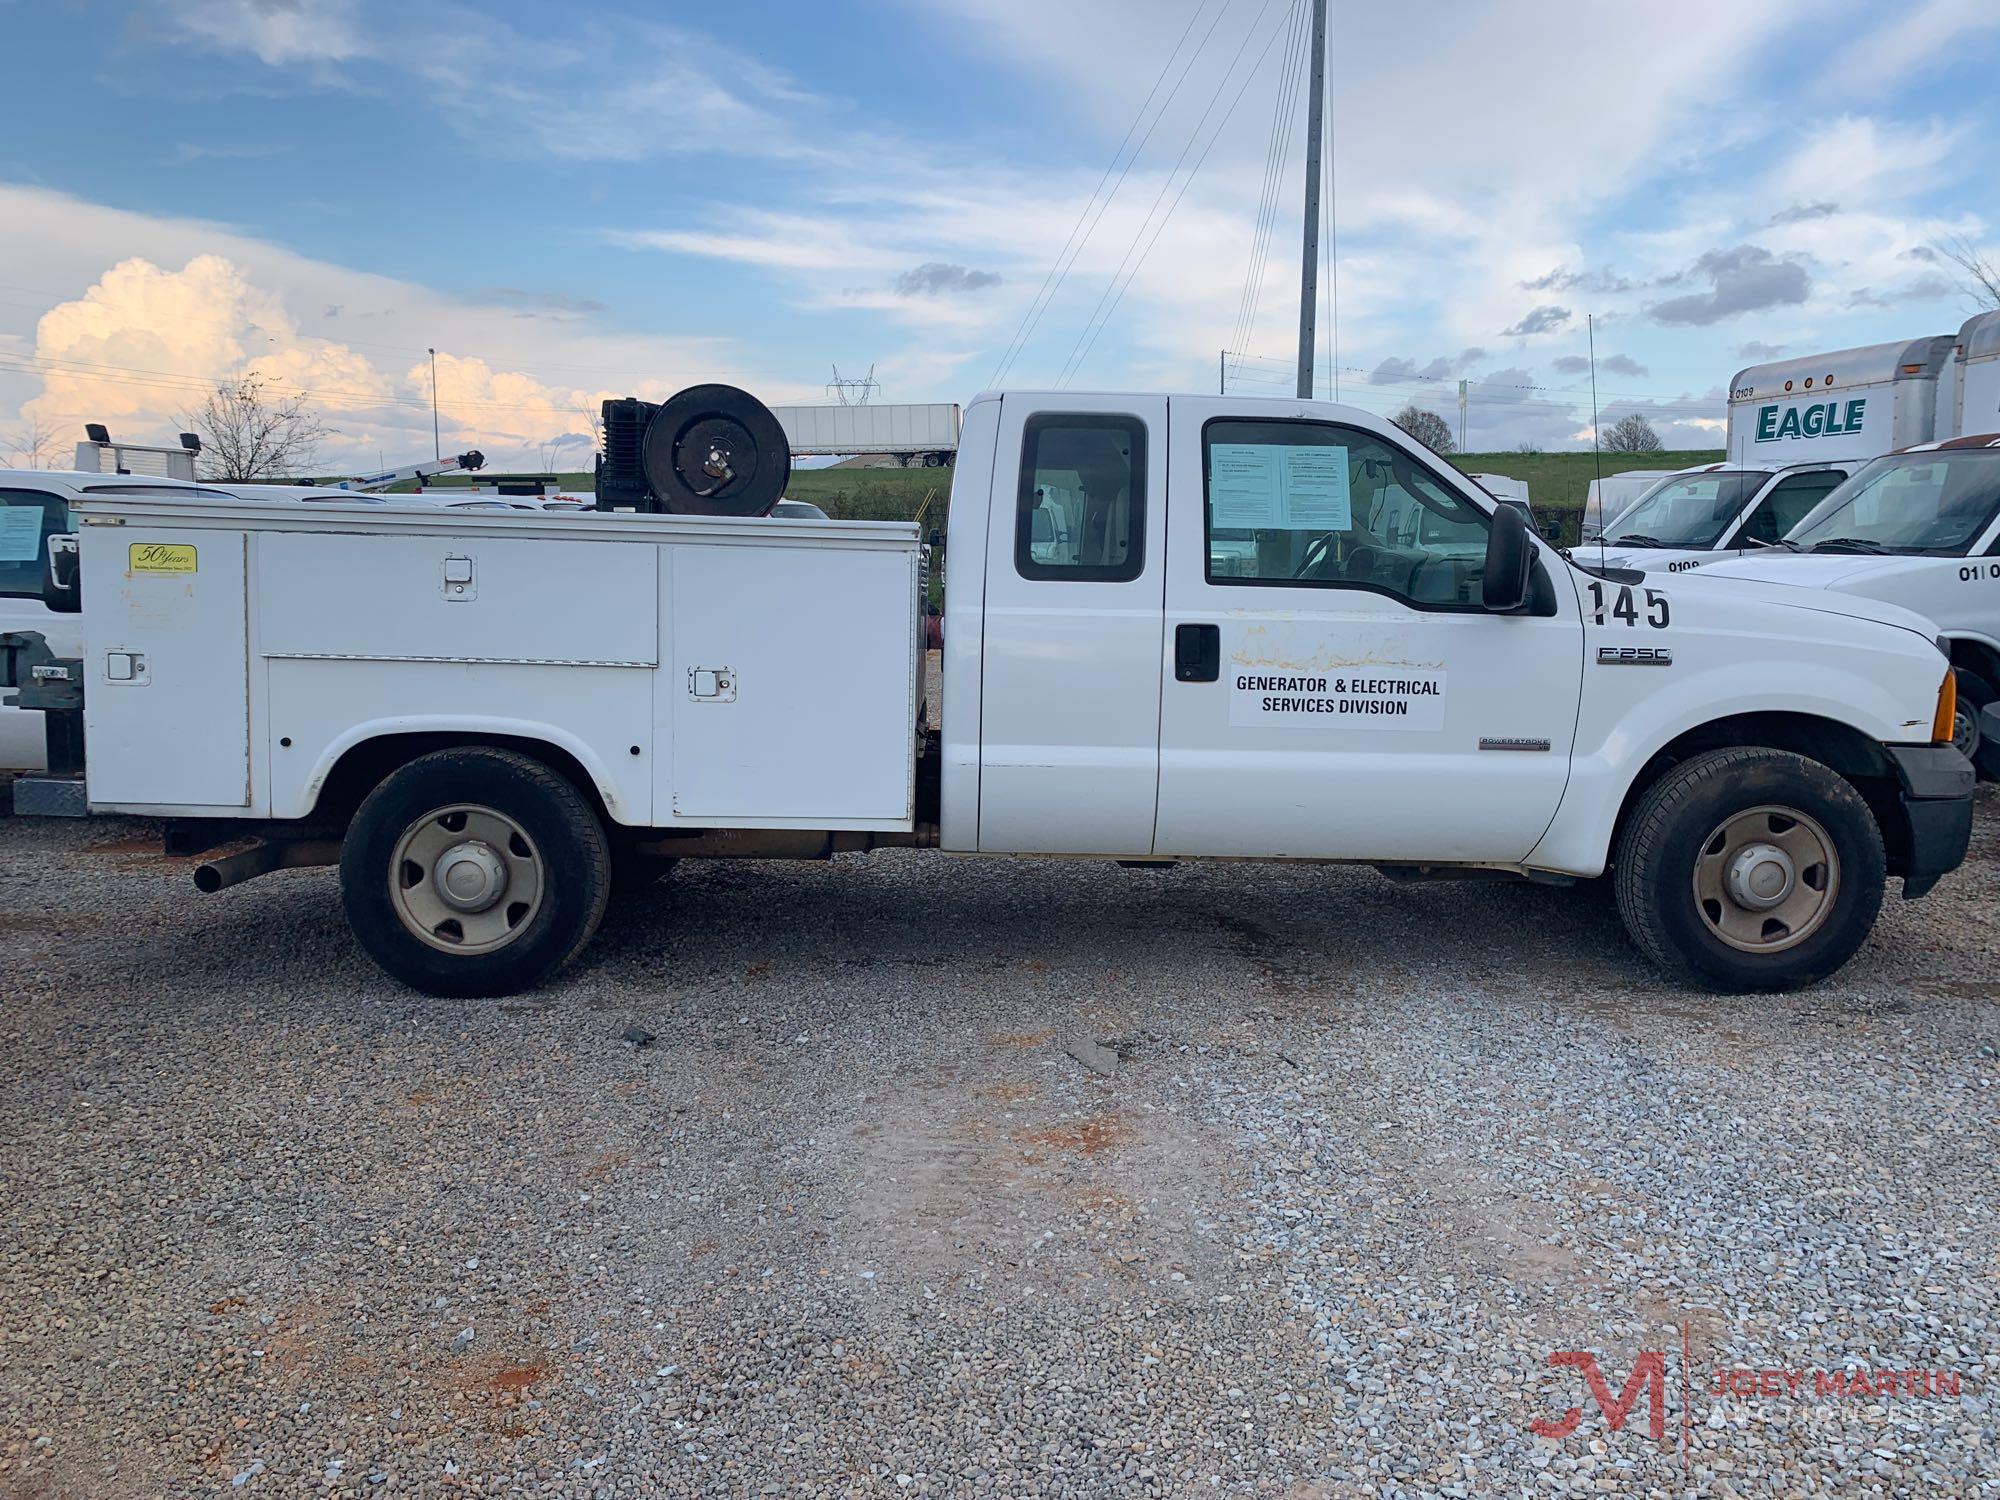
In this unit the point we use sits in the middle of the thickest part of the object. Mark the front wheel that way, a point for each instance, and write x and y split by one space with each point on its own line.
474 872
1750 869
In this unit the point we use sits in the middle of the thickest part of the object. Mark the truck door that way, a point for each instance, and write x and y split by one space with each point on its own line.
1070 687
1331 685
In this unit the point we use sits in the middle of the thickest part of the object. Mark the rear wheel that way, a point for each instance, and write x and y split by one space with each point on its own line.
1750 869
474 872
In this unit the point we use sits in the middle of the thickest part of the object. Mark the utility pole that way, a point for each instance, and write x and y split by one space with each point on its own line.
1309 266
437 447
1222 372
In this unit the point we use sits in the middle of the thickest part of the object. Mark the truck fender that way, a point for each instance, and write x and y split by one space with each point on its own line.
1578 839
526 733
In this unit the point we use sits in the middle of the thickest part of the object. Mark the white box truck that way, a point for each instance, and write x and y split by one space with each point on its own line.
1969 393
1214 657
1851 403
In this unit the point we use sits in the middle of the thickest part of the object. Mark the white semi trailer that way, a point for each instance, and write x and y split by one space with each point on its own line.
925 434
482 715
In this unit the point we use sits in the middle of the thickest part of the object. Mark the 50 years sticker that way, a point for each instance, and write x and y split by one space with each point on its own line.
160 557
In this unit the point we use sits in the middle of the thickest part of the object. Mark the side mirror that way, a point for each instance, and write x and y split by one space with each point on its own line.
935 539
1552 529
59 582
1510 554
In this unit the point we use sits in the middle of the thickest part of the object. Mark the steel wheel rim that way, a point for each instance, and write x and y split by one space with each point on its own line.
1766 879
1965 728
465 879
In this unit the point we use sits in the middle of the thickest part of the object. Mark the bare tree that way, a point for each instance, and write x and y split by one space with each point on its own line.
1632 433
250 433
1427 427
1979 275
1527 447
34 445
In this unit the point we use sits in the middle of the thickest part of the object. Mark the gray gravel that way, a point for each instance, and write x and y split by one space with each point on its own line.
1347 1163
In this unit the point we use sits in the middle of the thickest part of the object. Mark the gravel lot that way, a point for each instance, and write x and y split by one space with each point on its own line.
857 1220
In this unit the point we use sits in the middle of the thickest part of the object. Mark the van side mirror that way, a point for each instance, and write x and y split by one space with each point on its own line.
59 580
1552 529
1510 554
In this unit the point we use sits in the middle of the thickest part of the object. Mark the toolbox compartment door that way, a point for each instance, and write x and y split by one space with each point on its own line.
791 693
167 614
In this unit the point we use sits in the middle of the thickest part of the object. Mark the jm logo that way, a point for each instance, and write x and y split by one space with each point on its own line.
1649 1376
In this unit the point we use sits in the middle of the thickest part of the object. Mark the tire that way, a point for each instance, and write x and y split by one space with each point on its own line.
1974 693
1703 831
523 845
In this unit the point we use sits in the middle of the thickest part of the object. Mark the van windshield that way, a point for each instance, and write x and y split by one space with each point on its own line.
1936 503
1691 511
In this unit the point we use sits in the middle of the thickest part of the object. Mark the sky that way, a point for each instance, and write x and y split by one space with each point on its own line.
569 201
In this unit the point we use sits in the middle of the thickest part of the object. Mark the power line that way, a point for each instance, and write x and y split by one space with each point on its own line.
1059 272
1075 363
1276 154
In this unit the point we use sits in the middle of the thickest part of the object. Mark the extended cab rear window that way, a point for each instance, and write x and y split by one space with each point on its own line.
1081 511
28 518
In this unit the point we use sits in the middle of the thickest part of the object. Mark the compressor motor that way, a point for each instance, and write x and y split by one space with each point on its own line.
710 450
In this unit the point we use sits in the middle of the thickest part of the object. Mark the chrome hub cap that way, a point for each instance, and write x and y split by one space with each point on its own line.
1766 879
465 879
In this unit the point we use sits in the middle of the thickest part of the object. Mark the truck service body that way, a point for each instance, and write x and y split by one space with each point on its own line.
1213 657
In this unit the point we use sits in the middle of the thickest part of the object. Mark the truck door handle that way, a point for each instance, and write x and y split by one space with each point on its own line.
1197 653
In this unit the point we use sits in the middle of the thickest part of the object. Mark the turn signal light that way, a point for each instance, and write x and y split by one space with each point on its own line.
1947 709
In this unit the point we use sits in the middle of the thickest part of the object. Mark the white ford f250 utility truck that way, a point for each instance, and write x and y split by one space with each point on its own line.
1919 528
484 715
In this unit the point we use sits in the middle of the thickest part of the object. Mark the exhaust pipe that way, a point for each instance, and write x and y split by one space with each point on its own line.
262 858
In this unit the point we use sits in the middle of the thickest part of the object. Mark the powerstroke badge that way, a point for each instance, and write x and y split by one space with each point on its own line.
1387 697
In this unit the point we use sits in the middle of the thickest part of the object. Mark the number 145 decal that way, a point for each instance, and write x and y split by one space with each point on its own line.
1624 609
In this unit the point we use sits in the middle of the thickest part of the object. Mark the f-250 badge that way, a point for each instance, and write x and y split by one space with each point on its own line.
1635 656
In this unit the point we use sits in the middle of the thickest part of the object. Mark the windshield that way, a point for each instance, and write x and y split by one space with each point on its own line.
1937 502
1687 512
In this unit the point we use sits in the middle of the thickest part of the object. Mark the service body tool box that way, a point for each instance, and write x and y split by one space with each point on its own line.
702 671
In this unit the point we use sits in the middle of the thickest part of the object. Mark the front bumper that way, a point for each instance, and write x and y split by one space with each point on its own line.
1935 788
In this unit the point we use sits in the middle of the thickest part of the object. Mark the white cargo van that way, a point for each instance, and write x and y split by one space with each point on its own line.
1712 513
1919 528
480 714
1851 403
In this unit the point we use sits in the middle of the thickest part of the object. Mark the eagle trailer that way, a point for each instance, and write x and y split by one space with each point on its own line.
1174 629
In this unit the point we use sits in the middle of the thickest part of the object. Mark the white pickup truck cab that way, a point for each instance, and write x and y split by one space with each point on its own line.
1208 653
1711 514
1919 528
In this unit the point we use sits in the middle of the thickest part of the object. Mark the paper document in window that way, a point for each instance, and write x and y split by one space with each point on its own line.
1281 487
20 532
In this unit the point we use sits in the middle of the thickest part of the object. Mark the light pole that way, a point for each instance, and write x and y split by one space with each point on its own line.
437 446
1309 267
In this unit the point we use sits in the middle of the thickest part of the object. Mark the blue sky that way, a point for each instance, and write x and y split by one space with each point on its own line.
570 201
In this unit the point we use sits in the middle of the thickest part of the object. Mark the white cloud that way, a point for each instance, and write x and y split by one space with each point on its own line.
158 310
276 32
1913 37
